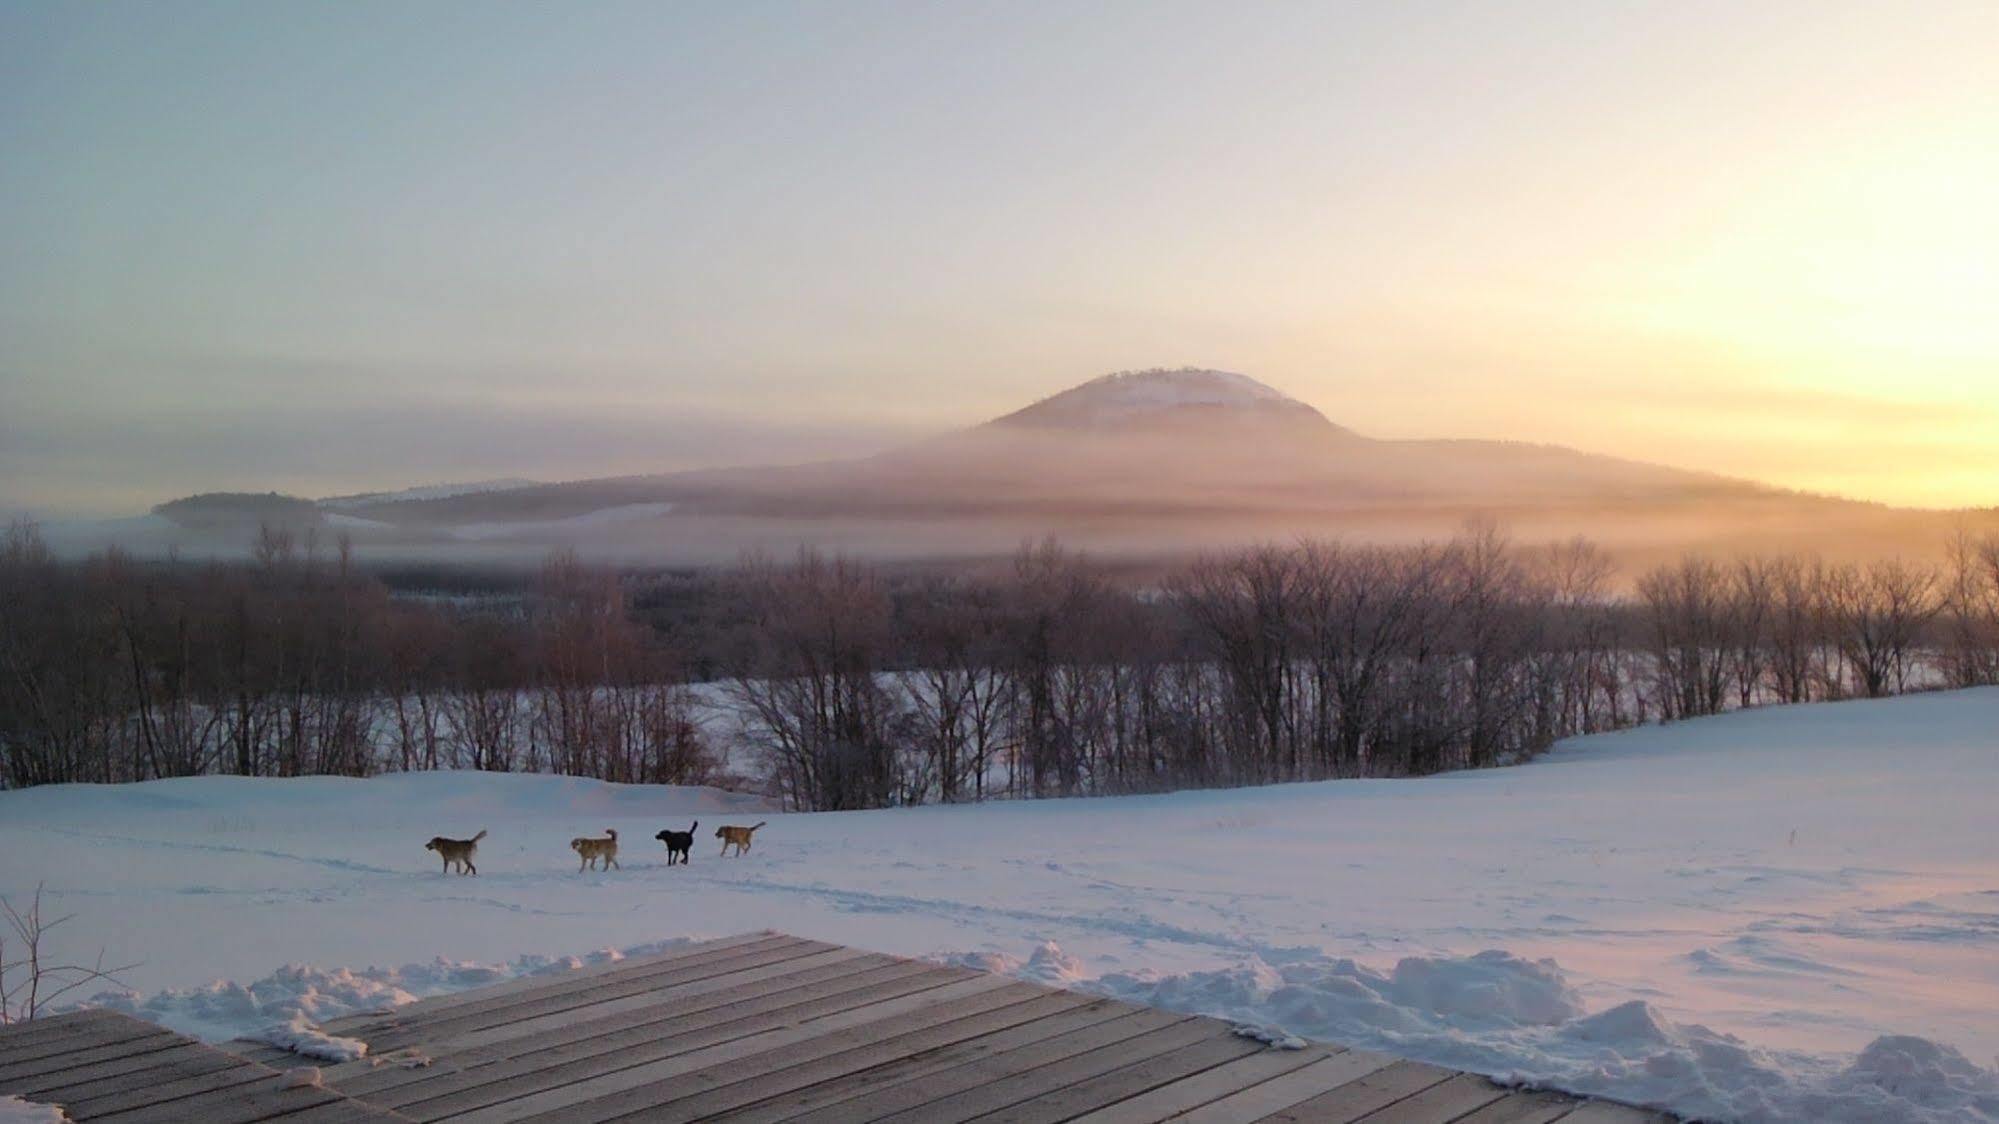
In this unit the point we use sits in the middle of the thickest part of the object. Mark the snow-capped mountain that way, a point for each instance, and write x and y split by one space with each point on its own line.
1161 396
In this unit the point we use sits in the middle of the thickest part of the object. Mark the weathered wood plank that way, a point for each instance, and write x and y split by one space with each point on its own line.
698 965
553 1058
533 1004
1077 1097
1524 1108
720 1089
53 1086
90 1050
992 1096
113 1067
659 1019
957 1079
1607 1112
1300 1085
100 1033
166 1090
341 1112
350 1024
1191 1093
1357 1098
629 1089
239 1104
263 1053
1460 1096
51 1026
867 1086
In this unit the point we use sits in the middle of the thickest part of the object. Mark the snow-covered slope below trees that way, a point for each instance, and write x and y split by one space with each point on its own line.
1785 914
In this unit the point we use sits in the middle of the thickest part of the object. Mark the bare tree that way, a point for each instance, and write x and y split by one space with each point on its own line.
29 981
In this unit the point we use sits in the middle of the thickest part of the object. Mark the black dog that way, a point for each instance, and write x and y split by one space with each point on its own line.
677 843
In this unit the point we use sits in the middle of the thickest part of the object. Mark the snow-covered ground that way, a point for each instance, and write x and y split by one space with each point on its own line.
1786 914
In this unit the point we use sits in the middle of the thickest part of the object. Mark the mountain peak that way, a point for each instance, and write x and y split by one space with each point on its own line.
1160 395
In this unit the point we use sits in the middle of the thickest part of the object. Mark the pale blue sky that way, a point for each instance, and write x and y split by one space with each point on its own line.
324 247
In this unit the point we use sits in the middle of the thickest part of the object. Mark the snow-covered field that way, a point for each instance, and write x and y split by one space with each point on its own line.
1787 914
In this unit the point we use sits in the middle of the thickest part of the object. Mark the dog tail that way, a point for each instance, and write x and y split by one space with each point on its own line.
612 832
694 827
481 835
758 824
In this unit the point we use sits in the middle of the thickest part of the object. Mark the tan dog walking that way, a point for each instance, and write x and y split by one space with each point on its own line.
739 836
599 853
458 851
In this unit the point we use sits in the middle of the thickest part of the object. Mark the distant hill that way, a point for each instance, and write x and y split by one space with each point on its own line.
229 511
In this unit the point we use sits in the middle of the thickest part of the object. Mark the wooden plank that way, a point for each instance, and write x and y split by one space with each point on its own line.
263 1053
53 1026
46 1086
167 1090
992 1096
532 1004
348 1024
1078 1097
678 1032
778 1037
628 1089
1610 1112
721 1089
240 1104
430 1011
1357 1098
1052 1048
871 1083
90 1050
1296 1087
1460 1096
556 1036
1523 1108
341 1112
99 1033
1190 1093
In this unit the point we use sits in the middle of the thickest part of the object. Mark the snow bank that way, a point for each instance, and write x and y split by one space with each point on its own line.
285 1007
1522 1022
14 1110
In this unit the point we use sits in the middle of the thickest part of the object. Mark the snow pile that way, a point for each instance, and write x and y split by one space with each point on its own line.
14 1110
1523 1023
283 1008
308 1041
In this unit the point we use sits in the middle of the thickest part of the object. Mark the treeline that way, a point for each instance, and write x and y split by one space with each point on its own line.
841 684
297 663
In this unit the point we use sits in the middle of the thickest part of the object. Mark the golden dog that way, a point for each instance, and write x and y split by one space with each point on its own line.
593 850
740 836
458 851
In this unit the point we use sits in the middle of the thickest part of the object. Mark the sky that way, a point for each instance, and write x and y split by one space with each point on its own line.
332 247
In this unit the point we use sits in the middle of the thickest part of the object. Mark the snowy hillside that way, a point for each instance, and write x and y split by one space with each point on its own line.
1789 914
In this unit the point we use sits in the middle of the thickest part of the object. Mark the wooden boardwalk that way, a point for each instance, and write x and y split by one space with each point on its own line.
104 1066
766 1027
